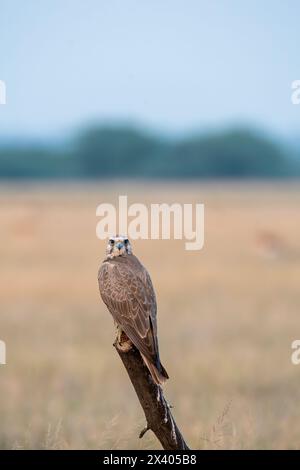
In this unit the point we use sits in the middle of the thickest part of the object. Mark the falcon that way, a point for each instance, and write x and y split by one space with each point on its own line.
126 289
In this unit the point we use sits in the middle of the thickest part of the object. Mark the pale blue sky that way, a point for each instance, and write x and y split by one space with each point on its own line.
175 65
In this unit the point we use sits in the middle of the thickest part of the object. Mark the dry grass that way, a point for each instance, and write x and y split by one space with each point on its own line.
227 317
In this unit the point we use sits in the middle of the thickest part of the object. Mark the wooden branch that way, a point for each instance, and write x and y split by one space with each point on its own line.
157 411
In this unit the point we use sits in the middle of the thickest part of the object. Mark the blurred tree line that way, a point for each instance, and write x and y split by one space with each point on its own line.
106 152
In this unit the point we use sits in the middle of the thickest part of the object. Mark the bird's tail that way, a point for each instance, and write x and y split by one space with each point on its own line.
158 373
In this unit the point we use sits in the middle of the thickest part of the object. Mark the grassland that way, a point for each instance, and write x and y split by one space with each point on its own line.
227 317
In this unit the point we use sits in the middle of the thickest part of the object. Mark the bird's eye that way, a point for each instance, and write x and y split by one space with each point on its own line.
111 242
126 241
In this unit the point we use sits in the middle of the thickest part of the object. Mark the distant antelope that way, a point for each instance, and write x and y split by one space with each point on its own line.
270 244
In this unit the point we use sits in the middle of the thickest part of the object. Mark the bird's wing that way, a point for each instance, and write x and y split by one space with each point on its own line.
130 299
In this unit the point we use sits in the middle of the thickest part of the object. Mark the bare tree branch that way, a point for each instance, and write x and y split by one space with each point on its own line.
157 411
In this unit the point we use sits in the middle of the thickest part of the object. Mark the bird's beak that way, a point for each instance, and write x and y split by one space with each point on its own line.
120 246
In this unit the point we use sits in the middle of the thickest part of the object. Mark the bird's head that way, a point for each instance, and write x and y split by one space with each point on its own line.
118 245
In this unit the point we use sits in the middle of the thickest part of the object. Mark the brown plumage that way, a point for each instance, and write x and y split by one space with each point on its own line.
126 289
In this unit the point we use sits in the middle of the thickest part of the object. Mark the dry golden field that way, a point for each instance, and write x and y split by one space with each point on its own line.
227 316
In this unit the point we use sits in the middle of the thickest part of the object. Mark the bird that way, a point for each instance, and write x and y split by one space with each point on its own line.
126 288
